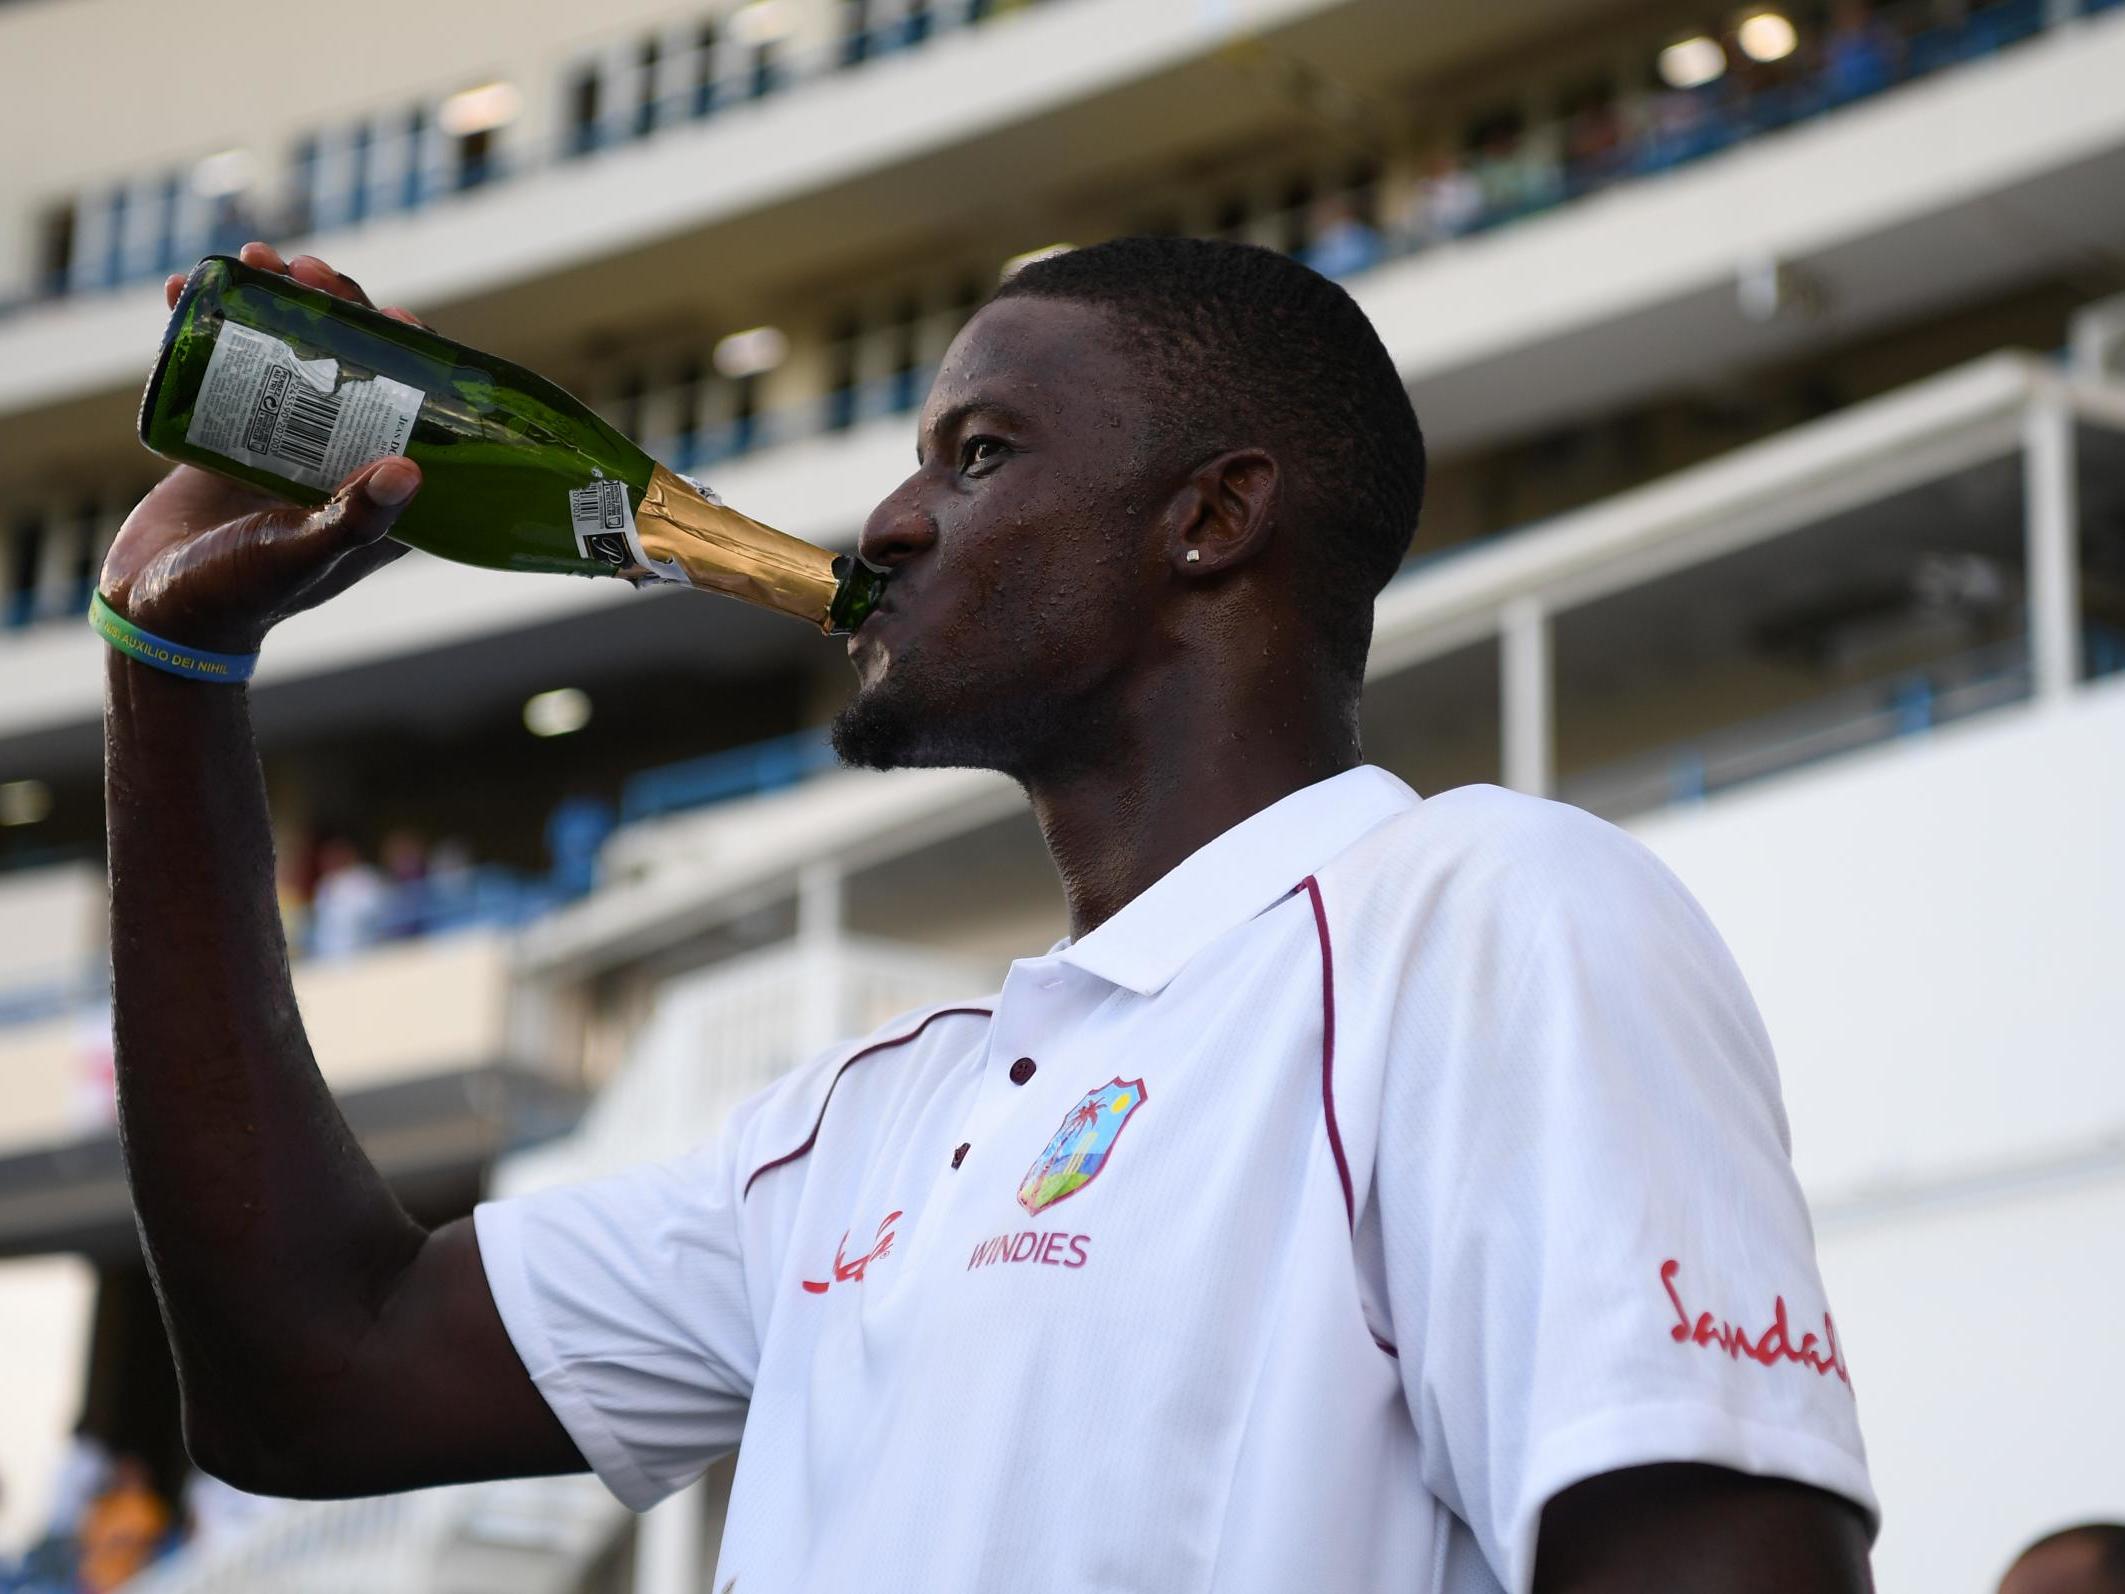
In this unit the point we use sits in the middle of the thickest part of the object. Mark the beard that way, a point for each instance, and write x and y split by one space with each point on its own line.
950 718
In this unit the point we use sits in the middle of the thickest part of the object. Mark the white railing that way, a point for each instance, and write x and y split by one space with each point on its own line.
1910 702
316 1547
2096 343
721 1035
491 1535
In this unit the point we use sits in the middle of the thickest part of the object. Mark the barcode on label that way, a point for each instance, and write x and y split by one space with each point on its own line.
599 515
311 421
306 428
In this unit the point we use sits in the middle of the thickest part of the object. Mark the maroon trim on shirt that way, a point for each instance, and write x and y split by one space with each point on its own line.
812 1139
1328 1050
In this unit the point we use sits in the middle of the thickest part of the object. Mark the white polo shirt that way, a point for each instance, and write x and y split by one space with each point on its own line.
1384 1169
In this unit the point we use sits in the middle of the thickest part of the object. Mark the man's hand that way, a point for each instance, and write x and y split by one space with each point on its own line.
212 563
1686 1529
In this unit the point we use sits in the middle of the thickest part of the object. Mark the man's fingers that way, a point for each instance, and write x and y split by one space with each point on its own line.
315 273
172 286
262 255
308 270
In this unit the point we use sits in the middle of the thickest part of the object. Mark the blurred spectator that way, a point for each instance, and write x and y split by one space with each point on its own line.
1860 54
84 1473
218 1513
1593 148
2089 1559
1681 124
575 831
1451 201
453 886
450 866
405 861
92 1096
49 1567
293 884
1520 178
347 911
124 1529
1342 244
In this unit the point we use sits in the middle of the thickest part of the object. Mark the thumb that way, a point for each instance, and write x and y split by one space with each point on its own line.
356 517
367 505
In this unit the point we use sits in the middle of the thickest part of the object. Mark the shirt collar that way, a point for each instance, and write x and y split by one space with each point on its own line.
1229 880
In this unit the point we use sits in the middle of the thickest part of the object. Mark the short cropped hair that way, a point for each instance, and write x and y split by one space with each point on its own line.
1247 347
2107 1539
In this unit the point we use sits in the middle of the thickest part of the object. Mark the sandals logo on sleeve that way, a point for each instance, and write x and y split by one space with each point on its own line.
1820 1354
1081 1147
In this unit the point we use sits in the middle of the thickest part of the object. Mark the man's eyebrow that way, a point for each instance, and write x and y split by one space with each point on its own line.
949 421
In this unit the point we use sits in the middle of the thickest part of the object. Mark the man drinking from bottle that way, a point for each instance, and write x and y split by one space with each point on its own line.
1372 1193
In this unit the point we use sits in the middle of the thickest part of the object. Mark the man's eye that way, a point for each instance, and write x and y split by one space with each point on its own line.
980 451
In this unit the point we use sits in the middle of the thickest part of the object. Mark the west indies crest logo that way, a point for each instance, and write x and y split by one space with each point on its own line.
1082 1145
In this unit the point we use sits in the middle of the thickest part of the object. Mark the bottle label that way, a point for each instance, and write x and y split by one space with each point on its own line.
604 525
261 406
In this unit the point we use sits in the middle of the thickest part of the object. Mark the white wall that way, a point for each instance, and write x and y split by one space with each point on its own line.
1984 1340
51 923
1935 932
44 1343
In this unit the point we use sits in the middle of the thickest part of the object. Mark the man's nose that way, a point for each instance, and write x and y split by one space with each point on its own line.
898 529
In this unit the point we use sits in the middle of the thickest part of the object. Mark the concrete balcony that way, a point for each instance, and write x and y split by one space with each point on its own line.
414 1038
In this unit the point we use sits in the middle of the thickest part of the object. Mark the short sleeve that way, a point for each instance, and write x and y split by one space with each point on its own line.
626 1298
1596 1255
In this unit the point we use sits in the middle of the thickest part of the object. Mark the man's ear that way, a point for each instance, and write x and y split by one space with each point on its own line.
1224 514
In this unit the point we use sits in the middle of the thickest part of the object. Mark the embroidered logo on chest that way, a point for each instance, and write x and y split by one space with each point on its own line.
1081 1148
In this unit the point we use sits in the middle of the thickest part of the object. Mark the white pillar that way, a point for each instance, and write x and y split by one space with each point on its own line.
195 218
620 76
671 1547
821 997
390 152
435 158
332 188
90 262
56 558
2051 528
675 74
1526 704
146 202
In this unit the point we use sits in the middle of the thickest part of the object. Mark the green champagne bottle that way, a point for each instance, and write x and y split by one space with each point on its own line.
291 390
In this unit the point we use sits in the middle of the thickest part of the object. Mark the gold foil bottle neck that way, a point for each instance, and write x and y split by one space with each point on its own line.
719 550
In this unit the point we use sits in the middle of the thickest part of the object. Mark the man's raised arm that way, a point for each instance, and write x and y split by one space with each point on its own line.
325 1343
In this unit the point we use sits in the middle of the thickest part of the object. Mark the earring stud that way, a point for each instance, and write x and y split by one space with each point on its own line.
1195 555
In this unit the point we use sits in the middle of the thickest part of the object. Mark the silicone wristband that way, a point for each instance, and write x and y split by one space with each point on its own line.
194 663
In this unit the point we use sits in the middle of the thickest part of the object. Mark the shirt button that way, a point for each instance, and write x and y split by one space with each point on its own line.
960 1155
1022 1070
